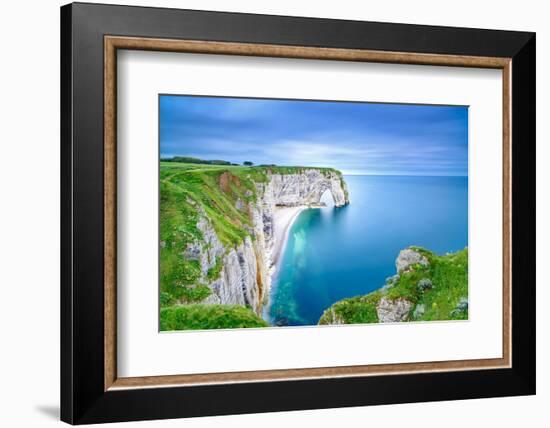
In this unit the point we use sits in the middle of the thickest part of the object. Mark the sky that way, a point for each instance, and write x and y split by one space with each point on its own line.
355 138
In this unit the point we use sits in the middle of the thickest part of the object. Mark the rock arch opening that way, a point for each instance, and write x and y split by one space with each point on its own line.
327 198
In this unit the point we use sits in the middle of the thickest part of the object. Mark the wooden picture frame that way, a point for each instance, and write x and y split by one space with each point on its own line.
91 390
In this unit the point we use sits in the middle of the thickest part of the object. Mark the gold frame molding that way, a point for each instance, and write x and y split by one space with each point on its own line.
113 43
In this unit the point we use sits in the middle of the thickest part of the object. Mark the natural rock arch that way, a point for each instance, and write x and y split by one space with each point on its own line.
307 188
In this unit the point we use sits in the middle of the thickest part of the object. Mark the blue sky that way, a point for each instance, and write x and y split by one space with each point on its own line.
356 138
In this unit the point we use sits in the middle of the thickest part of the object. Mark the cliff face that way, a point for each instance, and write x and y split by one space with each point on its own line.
241 268
239 273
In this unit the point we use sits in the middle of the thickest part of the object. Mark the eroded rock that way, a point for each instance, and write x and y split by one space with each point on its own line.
389 310
409 257
307 188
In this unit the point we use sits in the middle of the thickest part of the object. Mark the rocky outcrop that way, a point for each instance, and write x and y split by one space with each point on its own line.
245 275
398 310
409 257
393 310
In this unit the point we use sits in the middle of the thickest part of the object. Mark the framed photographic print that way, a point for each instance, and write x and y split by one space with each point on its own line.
265 213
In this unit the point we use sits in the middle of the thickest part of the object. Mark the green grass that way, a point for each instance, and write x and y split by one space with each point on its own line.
201 317
355 310
450 277
180 280
215 271
258 171
448 274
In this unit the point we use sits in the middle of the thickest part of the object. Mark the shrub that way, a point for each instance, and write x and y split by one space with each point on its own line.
425 284
166 298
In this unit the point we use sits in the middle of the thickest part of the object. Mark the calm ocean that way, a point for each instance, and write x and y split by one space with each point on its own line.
333 253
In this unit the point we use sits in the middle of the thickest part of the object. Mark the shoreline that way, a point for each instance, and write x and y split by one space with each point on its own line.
283 219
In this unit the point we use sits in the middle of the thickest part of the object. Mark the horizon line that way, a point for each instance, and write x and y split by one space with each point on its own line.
165 157
405 175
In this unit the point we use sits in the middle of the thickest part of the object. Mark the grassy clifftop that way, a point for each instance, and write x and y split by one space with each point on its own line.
435 291
202 317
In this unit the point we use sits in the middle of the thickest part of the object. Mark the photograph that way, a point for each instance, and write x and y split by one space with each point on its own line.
280 212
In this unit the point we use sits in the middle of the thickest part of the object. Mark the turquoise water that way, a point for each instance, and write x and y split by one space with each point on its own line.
333 253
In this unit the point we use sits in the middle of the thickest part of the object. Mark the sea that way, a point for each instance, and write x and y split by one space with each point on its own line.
333 253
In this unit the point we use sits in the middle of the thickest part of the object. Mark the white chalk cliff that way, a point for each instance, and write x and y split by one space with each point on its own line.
245 277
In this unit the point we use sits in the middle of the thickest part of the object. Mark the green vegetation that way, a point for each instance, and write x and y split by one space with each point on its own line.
215 271
343 185
248 167
187 190
187 159
200 317
355 310
437 291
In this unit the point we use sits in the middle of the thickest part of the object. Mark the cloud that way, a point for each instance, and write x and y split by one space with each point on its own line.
353 137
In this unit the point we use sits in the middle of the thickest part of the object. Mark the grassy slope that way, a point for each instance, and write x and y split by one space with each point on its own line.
186 189
449 275
201 317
